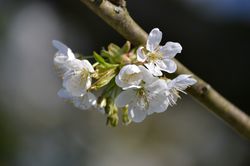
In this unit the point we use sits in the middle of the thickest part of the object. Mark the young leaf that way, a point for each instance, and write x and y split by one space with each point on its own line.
125 48
113 49
102 61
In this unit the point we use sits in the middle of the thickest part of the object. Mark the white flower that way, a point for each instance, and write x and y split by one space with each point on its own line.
145 100
62 57
180 83
77 80
82 102
158 58
153 96
130 76
76 77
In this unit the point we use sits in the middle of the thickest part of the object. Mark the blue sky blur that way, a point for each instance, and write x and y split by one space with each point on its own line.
230 10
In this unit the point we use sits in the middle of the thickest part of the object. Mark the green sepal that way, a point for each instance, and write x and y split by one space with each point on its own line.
113 49
115 54
126 47
106 54
104 78
125 117
112 113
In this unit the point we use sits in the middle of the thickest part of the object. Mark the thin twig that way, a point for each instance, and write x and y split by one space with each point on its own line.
119 18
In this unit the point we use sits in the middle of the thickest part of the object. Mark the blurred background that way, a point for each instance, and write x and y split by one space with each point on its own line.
37 128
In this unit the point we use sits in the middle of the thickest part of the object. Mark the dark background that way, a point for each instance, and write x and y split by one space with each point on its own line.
38 128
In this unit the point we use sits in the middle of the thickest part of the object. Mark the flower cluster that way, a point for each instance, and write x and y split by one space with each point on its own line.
130 81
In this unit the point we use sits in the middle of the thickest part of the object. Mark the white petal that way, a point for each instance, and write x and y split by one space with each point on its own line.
147 76
136 113
63 65
91 98
153 69
60 64
63 93
88 82
75 85
170 49
182 82
130 69
157 96
63 49
125 97
158 104
157 71
88 65
156 87
85 102
167 65
68 74
129 76
119 82
124 85
154 39
141 57
74 64
60 59
131 87
161 65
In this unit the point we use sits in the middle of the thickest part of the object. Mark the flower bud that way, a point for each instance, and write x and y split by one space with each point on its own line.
125 118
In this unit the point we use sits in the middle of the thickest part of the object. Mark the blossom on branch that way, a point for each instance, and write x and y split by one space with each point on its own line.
123 80
76 77
147 99
179 84
84 102
158 58
62 57
130 76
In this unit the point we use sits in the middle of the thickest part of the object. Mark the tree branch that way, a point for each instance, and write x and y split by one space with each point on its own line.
119 18
121 3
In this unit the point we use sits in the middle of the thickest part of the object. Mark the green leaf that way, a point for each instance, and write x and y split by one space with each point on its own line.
106 54
102 61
